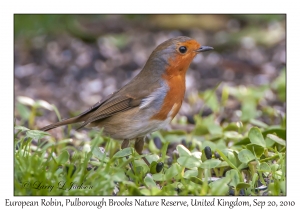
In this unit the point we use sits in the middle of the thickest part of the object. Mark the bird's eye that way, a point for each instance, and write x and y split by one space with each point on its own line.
182 49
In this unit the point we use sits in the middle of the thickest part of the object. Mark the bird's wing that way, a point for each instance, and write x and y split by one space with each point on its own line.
110 107
126 98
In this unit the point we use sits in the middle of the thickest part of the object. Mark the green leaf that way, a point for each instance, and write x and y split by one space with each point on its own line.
172 171
119 176
197 154
248 109
63 157
164 151
209 125
71 169
264 167
215 129
212 163
231 127
274 187
158 177
242 185
226 159
278 175
152 147
183 151
100 155
242 166
43 104
23 111
225 95
211 100
254 180
196 180
274 168
258 123
245 156
280 86
232 158
190 173
152 167
257 149
234 177
86 148
280 132
232 135
200 130
21 128
152 157
189 161
220 187
134 191
276 139
256 137
269 142
222 164
283 186
96 163
140 166
123 153
36 134
56 112
26 100
145 192
149 182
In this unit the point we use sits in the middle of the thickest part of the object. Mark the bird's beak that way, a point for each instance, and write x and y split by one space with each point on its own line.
204 48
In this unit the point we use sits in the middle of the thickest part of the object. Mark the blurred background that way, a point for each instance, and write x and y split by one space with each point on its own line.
74 61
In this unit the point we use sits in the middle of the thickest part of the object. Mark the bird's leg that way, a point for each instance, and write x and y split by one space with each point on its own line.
139 145
125 143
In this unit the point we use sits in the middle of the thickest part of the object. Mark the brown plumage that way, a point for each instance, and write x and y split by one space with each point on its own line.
150 101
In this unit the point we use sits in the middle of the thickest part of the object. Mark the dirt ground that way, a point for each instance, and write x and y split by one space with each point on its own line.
93 57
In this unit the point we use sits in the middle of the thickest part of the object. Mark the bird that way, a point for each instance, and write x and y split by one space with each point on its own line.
149 101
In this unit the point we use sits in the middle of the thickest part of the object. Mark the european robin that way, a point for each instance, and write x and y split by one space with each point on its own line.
149 101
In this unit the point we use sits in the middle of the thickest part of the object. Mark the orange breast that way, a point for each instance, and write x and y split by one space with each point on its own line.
174 97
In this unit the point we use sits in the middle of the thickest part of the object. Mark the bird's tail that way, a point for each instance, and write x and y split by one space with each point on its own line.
64 122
